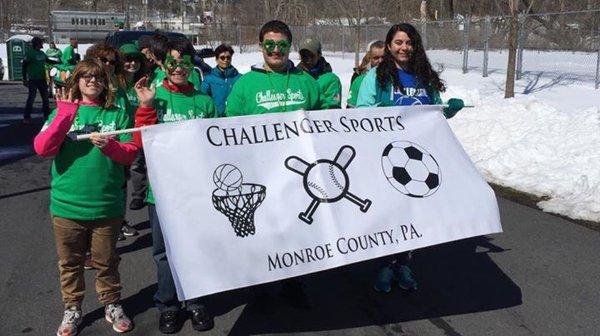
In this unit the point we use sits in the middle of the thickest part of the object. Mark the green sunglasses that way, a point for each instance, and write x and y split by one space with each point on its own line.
172 64
282 45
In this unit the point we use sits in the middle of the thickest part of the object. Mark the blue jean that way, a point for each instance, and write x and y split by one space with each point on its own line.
35 85
165 297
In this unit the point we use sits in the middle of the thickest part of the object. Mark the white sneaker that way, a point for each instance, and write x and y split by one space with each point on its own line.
70 322
114 314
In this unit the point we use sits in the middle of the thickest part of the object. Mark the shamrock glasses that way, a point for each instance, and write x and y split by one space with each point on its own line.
171 63
282 45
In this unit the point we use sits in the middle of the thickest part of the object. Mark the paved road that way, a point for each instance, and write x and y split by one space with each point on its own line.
540 277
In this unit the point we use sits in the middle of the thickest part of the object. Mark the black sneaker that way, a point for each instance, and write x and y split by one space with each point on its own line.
201 319
127 230
137 204
169 322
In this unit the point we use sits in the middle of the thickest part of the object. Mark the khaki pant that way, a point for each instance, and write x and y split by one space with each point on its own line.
72 240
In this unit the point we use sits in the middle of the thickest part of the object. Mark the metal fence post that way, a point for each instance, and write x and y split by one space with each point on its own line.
486 45
520 43
238 39
598 68
424 34
465 67
343 44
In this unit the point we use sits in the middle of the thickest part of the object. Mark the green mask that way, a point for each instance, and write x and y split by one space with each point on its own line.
171 63
283 45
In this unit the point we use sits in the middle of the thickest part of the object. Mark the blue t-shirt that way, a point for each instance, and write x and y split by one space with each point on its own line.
414 94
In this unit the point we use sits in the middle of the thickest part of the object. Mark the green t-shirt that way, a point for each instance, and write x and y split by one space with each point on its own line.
132 98
175 106
331 91
86 184
36 64
261 91
122 101
354 88
68 54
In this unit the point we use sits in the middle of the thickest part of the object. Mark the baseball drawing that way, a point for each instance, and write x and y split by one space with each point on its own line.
326 181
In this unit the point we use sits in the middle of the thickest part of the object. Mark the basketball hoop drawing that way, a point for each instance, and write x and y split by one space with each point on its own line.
326 181
238 201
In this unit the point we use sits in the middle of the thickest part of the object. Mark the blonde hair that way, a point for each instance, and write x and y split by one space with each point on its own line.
95 68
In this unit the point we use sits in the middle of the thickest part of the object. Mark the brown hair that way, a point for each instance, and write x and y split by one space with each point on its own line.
104 49
93 67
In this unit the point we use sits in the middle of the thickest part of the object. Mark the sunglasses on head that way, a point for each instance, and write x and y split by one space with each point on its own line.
185 63
225 57
282 45
107 61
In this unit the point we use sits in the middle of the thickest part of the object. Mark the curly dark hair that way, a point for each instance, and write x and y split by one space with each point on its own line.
418 63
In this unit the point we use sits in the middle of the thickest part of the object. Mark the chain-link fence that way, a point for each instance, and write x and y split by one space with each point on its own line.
563 45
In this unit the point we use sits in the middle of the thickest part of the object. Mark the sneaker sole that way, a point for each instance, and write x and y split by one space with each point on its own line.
408 289
381 291
129 234
115 328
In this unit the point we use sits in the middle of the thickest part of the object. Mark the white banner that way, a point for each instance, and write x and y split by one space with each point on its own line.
254 199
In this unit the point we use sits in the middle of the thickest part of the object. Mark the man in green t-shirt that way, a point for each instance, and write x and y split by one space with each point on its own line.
70 55
276 85
34 77
313 62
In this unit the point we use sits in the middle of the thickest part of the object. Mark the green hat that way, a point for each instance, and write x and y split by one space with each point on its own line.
312 45
130 49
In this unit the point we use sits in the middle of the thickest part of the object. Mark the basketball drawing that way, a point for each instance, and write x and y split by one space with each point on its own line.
227 177
236 200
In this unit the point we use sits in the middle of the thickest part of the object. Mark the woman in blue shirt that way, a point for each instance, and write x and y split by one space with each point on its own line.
220 80
404 78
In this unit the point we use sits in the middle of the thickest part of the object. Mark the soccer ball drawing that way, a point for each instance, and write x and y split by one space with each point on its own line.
410 169
326 181
238 201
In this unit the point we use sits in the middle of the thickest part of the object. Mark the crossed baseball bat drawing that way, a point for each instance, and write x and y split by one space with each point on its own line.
326 181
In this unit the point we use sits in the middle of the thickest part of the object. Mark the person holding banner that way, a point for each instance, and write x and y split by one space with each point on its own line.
404 77
110 58
276 85
175 99
86 199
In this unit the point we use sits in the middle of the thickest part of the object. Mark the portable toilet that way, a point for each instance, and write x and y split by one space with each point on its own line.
16 48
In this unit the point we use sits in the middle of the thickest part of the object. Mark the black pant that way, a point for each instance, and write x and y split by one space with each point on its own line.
139 177
165 297
41 86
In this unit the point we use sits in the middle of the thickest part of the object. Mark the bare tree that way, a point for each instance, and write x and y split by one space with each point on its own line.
514 6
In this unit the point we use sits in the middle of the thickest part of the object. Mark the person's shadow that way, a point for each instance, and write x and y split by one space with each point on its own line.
454 278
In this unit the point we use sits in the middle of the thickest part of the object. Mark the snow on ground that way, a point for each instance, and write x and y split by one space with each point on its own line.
544 141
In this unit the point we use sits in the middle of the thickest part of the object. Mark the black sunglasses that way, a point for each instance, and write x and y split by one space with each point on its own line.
106 60
224 58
